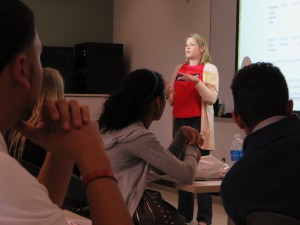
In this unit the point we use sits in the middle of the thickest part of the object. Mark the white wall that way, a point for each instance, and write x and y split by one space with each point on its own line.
222 46
93 101
224 130
153 33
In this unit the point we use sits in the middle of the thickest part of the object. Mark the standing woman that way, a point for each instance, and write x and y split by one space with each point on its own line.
194 90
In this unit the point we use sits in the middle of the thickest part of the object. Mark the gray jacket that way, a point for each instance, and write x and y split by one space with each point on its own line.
134 150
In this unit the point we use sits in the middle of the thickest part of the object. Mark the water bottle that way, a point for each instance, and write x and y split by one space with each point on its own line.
236 149
221 110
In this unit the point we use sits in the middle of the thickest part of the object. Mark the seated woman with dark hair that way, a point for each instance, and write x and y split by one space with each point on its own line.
132 148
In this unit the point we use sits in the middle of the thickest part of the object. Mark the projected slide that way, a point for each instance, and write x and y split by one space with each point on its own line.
269 31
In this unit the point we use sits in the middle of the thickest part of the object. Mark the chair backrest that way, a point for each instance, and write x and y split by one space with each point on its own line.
269 218
76 199
31 168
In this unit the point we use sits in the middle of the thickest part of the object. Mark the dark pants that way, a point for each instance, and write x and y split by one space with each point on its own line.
186 199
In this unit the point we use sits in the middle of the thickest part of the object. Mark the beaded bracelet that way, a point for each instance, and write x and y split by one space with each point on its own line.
98 174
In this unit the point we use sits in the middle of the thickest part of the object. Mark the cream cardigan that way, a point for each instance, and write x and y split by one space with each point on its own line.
208 90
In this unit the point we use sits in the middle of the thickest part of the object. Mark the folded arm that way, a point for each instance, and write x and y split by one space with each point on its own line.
70 136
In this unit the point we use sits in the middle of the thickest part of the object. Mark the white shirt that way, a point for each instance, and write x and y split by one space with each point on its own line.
23 200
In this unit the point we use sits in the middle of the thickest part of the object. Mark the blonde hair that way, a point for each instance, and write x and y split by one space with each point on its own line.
205 58
52 89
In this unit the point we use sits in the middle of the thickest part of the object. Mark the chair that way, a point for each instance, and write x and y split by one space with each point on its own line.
76 199
31 168
269 218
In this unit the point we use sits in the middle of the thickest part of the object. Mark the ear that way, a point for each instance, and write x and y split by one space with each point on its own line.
202 48
21 70
157 103
290 107
238 120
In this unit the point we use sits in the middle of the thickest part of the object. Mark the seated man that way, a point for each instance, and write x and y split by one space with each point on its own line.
267 177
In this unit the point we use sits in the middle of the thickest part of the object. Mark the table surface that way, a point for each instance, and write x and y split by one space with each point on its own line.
207 186
203 186
75 219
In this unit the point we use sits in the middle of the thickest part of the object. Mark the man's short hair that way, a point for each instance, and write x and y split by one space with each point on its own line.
259 91
17 29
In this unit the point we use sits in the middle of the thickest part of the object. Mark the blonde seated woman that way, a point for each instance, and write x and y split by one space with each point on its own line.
22 148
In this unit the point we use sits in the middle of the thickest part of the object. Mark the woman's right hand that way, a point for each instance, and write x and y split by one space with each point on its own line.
192 136
169 93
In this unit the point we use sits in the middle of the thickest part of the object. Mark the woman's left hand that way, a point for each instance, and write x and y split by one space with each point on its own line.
192 136
168 89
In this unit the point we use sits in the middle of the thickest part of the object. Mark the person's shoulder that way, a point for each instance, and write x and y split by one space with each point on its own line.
178 66
210 70
136 129
140 129
137 134
210 66
137 125
6 160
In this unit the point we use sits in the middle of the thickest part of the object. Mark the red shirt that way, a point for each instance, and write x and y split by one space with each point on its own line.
187 101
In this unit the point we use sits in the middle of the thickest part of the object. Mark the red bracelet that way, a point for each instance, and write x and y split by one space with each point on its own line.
98 174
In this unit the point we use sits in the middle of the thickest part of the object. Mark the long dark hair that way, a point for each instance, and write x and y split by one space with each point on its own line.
131 101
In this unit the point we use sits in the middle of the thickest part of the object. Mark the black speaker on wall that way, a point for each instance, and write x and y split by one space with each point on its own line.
62 59
98 67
